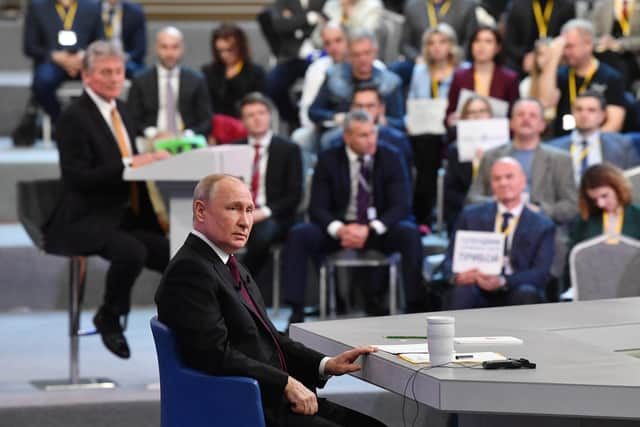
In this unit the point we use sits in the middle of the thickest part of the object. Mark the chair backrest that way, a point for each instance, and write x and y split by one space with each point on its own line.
598 268
389 35
37 200
194 399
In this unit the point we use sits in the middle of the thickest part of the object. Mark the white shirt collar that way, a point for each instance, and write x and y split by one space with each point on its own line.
224 257
264 141
577 137
515 211
353 156
102 104
164 72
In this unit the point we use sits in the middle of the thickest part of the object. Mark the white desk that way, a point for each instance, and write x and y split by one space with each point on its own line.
579 374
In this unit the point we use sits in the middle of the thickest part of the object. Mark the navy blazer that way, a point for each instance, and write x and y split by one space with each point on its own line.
193 101
617 149
283 181
331 187
134 31
42 24
532 247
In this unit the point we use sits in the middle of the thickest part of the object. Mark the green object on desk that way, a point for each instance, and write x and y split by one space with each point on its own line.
182 144
405 337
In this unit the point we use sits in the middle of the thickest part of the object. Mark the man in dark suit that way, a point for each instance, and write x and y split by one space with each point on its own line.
276 182
587 144
124 23
217 314
56 34
168 100
360 198
100 214
528 251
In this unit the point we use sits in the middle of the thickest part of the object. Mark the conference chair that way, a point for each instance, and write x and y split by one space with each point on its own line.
634 177
37 201
605 267
389 35
356 258
194 399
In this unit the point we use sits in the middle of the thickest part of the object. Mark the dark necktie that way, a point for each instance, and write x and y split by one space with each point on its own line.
255 178
584 157
235 275
363 195
506 219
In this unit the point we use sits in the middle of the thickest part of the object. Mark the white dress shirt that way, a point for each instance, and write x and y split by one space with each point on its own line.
161 121
105 108
594 155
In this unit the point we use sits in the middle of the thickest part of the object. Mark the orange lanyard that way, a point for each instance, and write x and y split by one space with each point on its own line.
573 91
605 222
67 16
433 16
480 88
542 18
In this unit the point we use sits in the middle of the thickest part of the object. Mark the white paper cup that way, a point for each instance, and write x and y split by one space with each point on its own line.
440 333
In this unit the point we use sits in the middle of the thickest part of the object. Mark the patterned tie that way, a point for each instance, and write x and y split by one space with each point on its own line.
363 195
171 105
584 157
506 218
235 274
255 178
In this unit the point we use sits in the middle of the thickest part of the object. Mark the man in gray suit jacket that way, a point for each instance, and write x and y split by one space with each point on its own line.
168 99
549 171
550 184
587 144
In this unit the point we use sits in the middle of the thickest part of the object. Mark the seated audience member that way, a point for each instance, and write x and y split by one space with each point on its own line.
360 199
617 28
276 181
431 79
587 144
217 314
56 34
231 75
169 100
290 26
458 175
334 44
486 76
550 186
531 20
605 205
528 250
367 98
100 213
334 96
582 72
355 14
125 24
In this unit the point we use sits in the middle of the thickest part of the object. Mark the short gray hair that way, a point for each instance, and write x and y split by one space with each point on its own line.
358 34
528 99
98 50
172 31
205 189
359 116
583 26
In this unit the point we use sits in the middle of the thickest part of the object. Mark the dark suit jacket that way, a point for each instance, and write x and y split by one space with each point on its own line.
522 31
134 32
225 94
457 180
218 334
283 179
531 249
193 101
42 24
331 187
95 198
617 149
292 28
504 85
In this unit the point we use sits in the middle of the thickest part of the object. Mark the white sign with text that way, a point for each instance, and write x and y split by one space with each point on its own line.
478 249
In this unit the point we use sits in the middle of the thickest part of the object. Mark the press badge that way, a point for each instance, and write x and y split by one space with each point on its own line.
568 122
372 213
67 38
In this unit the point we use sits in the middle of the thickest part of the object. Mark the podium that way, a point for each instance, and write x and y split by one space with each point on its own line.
176 178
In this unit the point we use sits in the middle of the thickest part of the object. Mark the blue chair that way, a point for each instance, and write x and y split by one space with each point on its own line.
194 399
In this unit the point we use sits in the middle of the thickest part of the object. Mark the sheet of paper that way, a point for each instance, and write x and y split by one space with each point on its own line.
488 340
480 134
461 358
483 250
426 116
420 347
499 108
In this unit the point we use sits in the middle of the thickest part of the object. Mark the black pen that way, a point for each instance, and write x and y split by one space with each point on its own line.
405 337
464 356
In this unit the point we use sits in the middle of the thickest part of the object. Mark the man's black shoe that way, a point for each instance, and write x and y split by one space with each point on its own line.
108 325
